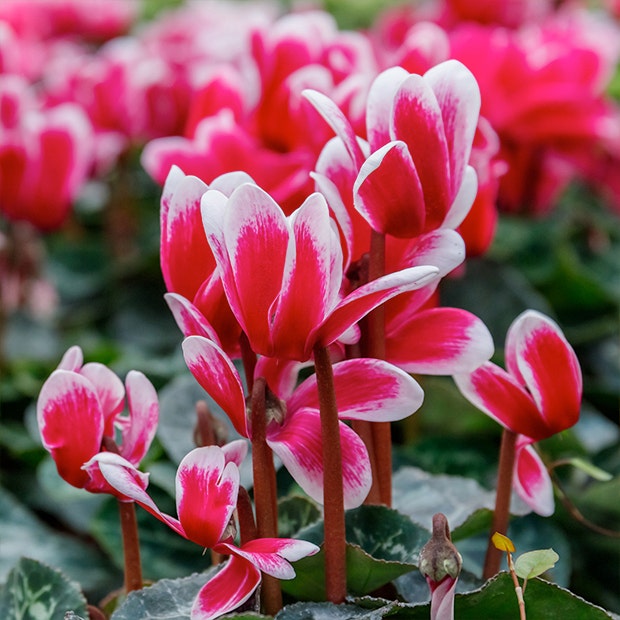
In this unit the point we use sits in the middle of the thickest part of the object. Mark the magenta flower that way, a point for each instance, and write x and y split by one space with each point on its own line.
80 412
420 131
45 156
282 275
366 389
207 484
538 396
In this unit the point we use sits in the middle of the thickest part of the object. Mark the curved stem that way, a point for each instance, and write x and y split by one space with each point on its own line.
333 494
131 546
501 514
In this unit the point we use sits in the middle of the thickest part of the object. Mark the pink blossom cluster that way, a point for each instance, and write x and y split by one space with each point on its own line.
214 86
310 187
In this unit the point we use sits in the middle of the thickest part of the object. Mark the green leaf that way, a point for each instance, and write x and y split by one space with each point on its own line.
382 544
23 534
497 600
325 611
420 495
34 591
534 563
294 513
171 599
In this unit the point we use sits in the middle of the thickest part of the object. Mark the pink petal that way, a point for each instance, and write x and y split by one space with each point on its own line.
129 483
206 492
338 212
228 589
388 193
458 96
364 299
539 356
494 391
417 120
307 286
190 320
531 480
439 341
72 360
442 599
443 248
186 259
281 375
298 444
255 237
366 389
235 451
110 391
379 105
71 423
463 200
272 555
139 428
338 122
218 376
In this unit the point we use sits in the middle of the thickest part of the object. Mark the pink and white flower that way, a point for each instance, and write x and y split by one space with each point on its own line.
207 485
80 412
538 396
366 389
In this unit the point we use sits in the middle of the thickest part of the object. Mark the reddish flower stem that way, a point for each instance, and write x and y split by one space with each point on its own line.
333 494
248 358
245 515
375 347
501 515
264 490
131 546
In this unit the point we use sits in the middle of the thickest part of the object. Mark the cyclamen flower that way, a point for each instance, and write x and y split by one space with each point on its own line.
420 131
207 485
45 156
366 389
538 396
282 275
80 412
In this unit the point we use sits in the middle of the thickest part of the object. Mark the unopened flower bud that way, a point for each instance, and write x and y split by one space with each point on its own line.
439 558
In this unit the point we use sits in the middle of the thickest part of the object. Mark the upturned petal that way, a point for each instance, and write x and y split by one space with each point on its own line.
458 97
138 430
417 120
190 320
185 256
439 341
110 392
539 357
379 105
364 299
250 244
338 122
299 446
272 555
218 376
206 492
531 479
307 288
71 423
497 393
388 192
366 389
230 587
